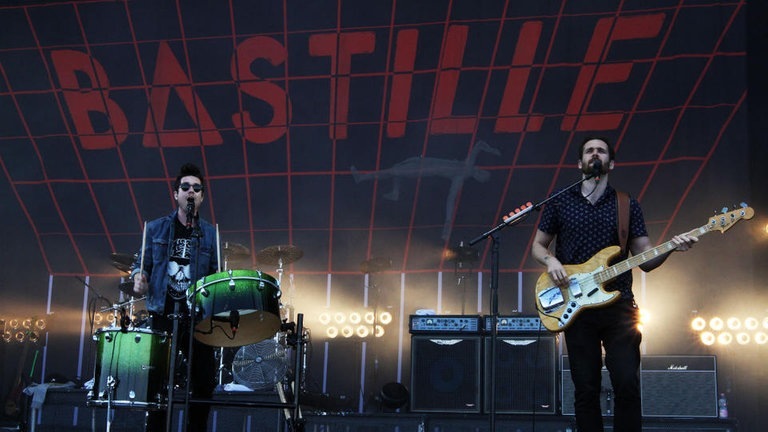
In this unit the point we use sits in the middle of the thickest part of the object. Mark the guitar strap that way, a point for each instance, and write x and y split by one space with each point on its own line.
622 216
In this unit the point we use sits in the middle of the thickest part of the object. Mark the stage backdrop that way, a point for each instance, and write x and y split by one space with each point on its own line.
364 133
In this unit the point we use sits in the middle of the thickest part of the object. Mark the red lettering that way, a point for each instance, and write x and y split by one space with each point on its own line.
83 102
405 58
447 81
591 74
348 44
169 75
509 118
261 47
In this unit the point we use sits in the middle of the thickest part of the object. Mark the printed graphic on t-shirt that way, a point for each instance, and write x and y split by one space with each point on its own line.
179 274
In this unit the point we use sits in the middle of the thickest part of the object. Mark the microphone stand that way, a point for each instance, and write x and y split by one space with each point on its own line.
493 234
196 235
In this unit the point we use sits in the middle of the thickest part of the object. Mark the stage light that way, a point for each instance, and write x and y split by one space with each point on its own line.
724 338
369 317
708 338
97 318
332 332
742 338
379 331
27 323
355 318
394 395
7 336
324 318
339 317
362 331
716 324
34 337
765 323
761 338
751 323
385 318
20 336
698 324
347 331
734 323
14 323
40 324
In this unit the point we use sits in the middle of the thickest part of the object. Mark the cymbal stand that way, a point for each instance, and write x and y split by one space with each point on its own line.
376 293
172 367
111 386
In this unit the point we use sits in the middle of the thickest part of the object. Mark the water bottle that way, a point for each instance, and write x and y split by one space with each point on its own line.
722 406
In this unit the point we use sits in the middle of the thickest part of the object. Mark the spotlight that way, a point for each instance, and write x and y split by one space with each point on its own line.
369 317
742 338
27 323
379 331
765 323
385 318
393 395
707 338
362 331
34 337
339 317
355 318
724 338
698 324
332 332
716 324
14 323
7 336
761 338
751 323
20 336
324 318
734 323
347 331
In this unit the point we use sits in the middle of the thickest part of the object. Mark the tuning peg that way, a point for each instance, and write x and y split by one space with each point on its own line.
724 210
743 205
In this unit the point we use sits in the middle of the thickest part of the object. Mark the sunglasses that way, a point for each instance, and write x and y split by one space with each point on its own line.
185 187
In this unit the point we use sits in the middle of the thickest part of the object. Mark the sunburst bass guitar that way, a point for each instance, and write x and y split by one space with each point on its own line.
559 306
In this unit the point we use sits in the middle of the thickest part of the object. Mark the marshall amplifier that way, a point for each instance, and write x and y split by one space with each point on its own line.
670 386
679 386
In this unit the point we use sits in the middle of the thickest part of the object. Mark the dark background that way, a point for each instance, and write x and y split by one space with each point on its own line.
378 129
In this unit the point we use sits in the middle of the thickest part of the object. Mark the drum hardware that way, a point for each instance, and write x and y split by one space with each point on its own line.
279 255
234 252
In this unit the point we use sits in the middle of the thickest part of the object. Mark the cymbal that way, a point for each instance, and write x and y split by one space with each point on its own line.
122 267
462 254
279 255
235 250
122 258
375 265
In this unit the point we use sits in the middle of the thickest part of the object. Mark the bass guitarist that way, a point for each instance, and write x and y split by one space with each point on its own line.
582 222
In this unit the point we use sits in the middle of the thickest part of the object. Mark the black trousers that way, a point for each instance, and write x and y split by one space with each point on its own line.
202 381
613 328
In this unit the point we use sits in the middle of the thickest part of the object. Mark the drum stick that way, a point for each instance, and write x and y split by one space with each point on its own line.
143 245
218 249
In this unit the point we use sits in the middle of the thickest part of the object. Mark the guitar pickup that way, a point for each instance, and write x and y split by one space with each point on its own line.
551 298
575 288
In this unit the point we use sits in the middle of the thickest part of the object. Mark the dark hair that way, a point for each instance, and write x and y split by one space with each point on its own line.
611 152
188 169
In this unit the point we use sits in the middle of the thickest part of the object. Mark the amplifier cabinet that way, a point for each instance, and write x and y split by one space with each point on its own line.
679 386
445 373
526 369
566 390
670 387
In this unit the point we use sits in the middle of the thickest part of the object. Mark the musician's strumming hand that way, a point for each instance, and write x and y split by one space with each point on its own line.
556 271
684 242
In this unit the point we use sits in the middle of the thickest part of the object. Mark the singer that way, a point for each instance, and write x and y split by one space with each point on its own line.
180 248
582 222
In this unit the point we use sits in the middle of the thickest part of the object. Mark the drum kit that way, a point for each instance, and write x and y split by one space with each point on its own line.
234 308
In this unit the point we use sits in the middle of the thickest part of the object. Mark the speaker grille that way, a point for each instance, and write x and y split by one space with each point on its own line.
525 374
445 373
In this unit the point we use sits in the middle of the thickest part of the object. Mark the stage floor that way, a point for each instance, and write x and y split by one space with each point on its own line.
66 410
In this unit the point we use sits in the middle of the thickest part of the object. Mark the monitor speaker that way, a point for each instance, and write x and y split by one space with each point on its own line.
445 373
525 374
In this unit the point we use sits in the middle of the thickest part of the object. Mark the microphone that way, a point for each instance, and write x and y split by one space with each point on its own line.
596 169
234 320
190 210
